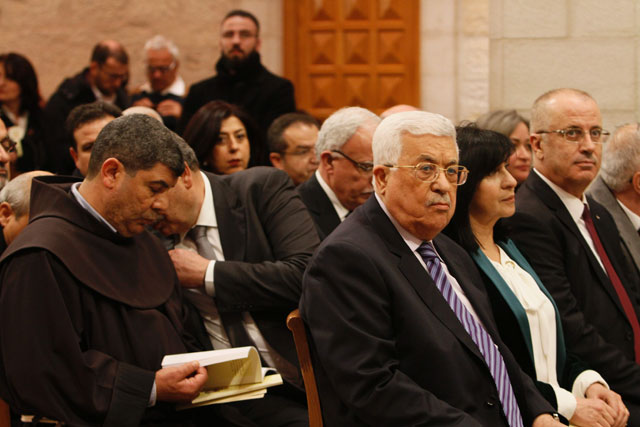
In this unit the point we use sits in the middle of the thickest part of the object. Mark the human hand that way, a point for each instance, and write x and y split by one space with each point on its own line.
592 412
613 399
169 107
546 420
180 383
144 102
190 266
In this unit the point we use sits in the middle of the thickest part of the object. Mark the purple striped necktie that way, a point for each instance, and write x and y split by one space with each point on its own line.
478 334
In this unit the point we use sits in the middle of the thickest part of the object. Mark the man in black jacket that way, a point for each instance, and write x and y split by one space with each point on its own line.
241 79
103 80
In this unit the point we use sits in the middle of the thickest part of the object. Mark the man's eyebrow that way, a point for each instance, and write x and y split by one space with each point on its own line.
159 182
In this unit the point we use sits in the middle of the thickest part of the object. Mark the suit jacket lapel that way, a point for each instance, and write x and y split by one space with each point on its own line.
230 217
551 199
416 275
320 205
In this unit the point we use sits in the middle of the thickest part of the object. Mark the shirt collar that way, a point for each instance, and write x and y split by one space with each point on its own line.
207 216
102 97
83 202
340 209
633 217
574 205
177 87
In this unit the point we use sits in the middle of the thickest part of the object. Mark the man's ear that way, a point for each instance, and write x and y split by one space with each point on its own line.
536 146
258 44
74 154
6 212
111 172
276 160
187 176
326 160
380 178
635 182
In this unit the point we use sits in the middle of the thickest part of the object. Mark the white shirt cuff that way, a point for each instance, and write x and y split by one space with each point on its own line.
566 402
209 288
584 380
153 397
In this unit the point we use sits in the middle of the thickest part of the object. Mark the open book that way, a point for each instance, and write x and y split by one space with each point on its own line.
234 374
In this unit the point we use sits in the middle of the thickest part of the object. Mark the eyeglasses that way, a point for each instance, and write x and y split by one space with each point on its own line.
160 68
243 34
8 144
114 76
429 172
597 135
363 166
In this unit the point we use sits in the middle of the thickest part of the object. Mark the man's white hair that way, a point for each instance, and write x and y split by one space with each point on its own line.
387 139
159 42
341 126
621 157
17 192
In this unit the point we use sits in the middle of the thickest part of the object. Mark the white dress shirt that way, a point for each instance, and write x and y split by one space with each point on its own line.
633 217
541 316
340 209
575 207
177 88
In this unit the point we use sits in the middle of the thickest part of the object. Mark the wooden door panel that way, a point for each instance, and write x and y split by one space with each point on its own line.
352 52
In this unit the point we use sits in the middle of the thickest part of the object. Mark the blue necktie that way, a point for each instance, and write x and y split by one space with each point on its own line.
478 334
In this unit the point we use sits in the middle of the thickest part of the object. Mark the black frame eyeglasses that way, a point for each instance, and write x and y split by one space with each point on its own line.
363 166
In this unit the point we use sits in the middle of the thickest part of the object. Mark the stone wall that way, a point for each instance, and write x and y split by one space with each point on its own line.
58 35
593 45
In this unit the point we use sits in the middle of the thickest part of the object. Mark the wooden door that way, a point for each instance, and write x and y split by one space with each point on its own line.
352 53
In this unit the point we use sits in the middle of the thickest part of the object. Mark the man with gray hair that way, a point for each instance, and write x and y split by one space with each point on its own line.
14 206
617 187
94 295
402 329
342 181
164 91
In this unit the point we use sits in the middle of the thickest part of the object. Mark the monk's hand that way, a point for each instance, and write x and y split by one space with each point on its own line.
180 383
144 102
190 266
613 401
546 420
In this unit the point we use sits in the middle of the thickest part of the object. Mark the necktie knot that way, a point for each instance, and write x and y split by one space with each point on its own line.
197 232
585 213
427 252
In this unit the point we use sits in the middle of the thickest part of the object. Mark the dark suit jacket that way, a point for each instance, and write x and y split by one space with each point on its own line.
628 234
320 207
267 239
595 326
388 350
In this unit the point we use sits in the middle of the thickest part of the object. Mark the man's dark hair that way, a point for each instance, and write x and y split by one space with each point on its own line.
482 152
88 113
109 49
139 142
188 155
244 14
276 141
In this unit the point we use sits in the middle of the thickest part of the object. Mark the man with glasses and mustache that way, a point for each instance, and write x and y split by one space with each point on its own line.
401 326
103 80
241 78
342 182
573 244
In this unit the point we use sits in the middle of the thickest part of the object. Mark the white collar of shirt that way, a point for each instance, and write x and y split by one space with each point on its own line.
340 209
83 202
574 205
177 87
102 97
207 216
633 217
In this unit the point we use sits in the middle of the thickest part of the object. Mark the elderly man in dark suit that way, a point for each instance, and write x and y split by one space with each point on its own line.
342 181
617 187
243 242
400 322
572 241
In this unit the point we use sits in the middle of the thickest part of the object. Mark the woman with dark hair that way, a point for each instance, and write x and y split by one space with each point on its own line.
527 318
21 112
516 128
224 138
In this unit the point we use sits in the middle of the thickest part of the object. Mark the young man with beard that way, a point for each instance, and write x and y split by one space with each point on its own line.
241 78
